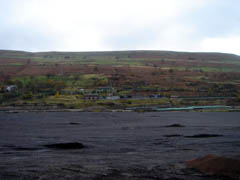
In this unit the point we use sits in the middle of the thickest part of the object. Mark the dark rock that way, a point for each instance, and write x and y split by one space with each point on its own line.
73 123
173 135
175 125
21 148
65 146
204 136
25 149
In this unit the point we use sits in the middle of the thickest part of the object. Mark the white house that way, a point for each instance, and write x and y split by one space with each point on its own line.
11 88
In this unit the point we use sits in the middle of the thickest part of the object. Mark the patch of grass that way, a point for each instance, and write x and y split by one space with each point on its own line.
72 82
209 69
13 64
143 102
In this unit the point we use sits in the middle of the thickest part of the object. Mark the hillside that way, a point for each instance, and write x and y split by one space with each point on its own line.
123 54
123 73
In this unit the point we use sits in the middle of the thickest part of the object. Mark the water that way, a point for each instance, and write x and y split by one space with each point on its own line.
119 141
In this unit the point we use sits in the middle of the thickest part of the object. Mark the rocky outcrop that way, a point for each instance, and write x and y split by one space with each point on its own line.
65 146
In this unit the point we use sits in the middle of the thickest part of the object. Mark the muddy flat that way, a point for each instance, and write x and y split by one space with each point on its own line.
129 145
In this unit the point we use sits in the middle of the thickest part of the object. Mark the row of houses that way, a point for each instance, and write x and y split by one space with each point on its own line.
98 97
99 90
94 97
91 96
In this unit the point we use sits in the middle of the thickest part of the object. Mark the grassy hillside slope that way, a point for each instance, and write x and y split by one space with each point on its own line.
65 77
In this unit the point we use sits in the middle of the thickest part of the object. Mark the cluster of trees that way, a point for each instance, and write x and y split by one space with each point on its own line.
37 86
27 87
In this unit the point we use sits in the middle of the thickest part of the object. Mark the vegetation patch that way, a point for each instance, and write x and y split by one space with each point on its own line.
216 166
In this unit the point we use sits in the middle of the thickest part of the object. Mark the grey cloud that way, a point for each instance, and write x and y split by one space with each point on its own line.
26 38
132 39
215 19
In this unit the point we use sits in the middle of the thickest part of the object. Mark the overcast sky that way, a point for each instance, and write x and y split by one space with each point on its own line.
97 25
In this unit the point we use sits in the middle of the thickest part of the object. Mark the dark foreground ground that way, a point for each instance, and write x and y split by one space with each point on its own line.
116 145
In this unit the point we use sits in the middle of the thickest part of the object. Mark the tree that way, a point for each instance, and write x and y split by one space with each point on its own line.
19 84
171 77
57 94
95 69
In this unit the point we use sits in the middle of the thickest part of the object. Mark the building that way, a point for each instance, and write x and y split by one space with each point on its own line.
113 97
11 88
91 97
104 90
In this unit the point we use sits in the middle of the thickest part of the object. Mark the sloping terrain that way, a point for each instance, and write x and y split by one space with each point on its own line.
164 73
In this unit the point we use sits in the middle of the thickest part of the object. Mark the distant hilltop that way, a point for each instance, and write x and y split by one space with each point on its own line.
202 56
